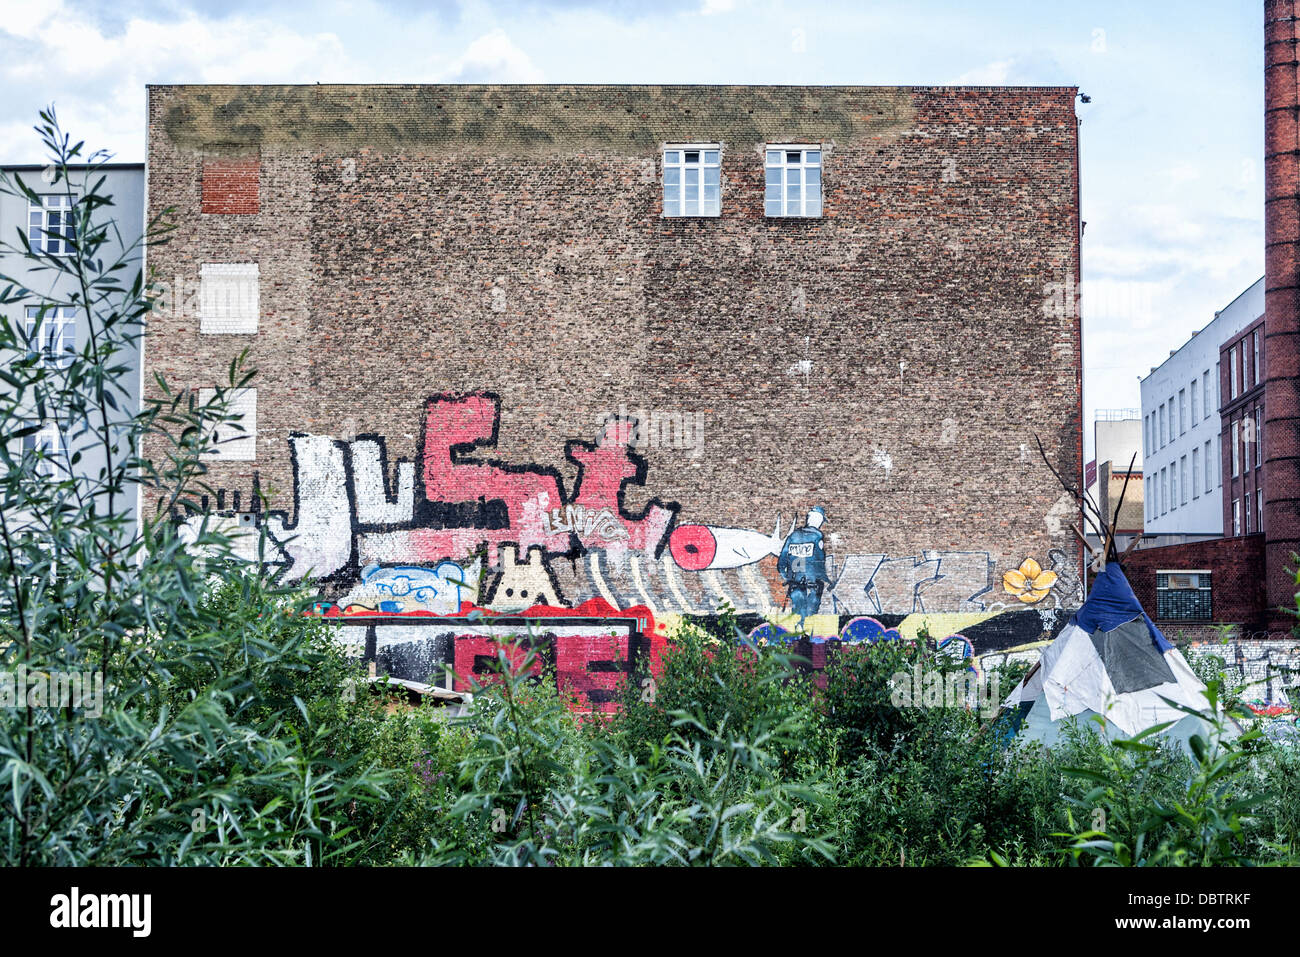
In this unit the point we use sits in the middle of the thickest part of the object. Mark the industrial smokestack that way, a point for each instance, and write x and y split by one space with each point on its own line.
1281 305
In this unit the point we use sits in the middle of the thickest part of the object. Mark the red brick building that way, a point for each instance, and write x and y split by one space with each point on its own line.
619 343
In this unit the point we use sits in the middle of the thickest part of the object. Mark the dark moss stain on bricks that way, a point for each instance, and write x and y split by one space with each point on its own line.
502 119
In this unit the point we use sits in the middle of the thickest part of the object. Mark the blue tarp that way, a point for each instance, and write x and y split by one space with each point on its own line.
1111 603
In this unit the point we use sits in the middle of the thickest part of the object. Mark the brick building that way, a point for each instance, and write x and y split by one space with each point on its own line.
656 347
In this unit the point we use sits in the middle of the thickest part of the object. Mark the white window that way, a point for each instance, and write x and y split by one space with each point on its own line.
1162 426
1259 437
692 180
1196 473
1195 418
1232 372
1236 448
1182 477
50 227
236 440
1164 491
1173 486
1259 509
1256 357
794 181
1236 516
52 334
1205 393
1182 411
1150 505
228 298
48 445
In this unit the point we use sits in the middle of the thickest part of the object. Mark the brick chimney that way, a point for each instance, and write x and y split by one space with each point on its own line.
1281 305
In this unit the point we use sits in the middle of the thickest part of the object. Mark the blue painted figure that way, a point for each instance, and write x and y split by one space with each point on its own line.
803 565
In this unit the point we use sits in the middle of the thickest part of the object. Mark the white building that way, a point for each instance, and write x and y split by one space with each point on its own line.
1180 429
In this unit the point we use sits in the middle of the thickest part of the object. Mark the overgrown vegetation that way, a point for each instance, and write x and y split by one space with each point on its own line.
232 730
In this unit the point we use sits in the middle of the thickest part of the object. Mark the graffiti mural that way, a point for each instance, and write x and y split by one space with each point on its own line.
455 537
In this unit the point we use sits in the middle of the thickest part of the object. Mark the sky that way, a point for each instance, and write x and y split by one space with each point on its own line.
1171 144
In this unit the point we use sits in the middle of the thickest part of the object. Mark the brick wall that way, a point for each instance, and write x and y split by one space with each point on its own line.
484 272
230 186
1236 565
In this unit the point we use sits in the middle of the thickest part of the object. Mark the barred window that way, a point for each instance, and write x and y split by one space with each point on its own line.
1183 596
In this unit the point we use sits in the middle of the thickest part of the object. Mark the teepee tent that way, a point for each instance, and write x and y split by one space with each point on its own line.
1110 660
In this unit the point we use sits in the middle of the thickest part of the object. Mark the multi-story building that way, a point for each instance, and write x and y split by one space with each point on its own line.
1182 425
57 327
657 348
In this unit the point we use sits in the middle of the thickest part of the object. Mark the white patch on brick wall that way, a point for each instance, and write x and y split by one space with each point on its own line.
229 299
234 441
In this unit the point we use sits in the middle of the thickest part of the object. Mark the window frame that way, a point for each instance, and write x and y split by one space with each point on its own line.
35 325
784 165
1259 437
681 166
56 459
41 235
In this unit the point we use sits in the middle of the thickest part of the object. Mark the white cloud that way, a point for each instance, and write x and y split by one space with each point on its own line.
991 74
97 80
710 7
492 58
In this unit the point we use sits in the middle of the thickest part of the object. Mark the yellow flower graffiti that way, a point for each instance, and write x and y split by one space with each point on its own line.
1030 582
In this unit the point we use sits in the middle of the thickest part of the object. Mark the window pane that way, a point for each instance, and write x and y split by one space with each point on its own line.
773 207
692 156
711 176
671 207
814 207
813 177
792 156
711 156
774 176
673 156
792 177
692 192
814 156
792 198
773 157
692 207
672 176
711 204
